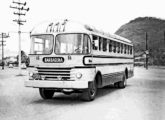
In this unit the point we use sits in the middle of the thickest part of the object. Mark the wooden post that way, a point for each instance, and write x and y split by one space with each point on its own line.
2 53
146 51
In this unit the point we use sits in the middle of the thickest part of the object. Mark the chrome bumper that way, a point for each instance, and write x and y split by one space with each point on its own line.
56 84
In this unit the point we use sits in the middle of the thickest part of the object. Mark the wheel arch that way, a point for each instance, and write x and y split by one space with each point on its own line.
126 72
98 80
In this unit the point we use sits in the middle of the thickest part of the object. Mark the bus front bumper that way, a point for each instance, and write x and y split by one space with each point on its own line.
56 84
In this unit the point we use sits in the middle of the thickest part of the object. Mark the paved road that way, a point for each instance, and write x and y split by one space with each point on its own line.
143 99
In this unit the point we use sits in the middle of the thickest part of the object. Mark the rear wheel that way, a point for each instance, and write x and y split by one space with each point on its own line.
45 93
123 83
90 93
116 85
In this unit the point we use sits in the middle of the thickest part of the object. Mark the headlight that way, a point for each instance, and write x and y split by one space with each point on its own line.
34 76
30 74
78 75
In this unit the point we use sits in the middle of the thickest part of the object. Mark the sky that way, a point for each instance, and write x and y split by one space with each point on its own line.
107 15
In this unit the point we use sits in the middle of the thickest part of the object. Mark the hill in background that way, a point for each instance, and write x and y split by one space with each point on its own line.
136 30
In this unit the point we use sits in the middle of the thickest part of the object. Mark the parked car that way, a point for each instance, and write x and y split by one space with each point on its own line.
12 61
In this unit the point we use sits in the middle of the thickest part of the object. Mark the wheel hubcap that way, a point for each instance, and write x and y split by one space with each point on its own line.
92 90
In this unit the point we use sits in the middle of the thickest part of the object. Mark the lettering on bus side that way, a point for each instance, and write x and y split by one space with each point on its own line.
53 59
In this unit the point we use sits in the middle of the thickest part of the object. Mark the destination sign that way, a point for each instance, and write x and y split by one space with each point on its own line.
53 59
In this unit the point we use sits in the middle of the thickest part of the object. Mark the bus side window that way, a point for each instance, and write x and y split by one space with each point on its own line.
100 43
128 49
118 48
104 44
86 46
114 47
125 49
121 50
110 46
131 50
95 42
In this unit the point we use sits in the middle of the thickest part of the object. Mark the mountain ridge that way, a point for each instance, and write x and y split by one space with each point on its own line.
135 30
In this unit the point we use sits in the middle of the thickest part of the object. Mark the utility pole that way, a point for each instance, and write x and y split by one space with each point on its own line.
164 38
146 52
3 35
19 7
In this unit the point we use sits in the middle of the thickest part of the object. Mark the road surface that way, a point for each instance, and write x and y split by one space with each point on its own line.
142 99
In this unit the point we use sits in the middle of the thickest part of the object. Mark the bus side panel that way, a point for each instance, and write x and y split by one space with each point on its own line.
114 73
112 78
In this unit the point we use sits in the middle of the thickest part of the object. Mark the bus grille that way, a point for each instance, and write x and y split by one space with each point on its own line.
55 73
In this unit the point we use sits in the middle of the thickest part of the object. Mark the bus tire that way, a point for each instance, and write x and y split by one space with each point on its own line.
116 85
89 93
46 94
123 83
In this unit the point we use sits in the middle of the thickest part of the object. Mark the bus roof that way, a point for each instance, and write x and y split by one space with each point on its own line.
62 26
58 26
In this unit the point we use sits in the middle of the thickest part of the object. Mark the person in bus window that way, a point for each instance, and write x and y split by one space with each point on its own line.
95 43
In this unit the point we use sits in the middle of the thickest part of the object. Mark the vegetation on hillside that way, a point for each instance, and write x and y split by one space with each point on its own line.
136 30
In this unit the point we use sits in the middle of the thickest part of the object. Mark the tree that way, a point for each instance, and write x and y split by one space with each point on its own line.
24 58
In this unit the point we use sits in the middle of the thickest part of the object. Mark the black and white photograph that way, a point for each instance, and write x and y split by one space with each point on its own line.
82 60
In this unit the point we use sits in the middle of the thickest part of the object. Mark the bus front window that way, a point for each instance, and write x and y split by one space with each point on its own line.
72 44
41 44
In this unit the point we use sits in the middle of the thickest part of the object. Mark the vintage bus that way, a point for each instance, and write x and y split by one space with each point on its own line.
70 57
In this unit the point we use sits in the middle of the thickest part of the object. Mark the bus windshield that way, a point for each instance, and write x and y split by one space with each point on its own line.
73 43
41 44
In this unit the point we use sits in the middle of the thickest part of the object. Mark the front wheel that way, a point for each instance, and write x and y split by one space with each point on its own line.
90 93
45 93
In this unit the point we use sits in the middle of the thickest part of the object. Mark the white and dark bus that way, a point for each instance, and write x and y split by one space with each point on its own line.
70 57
